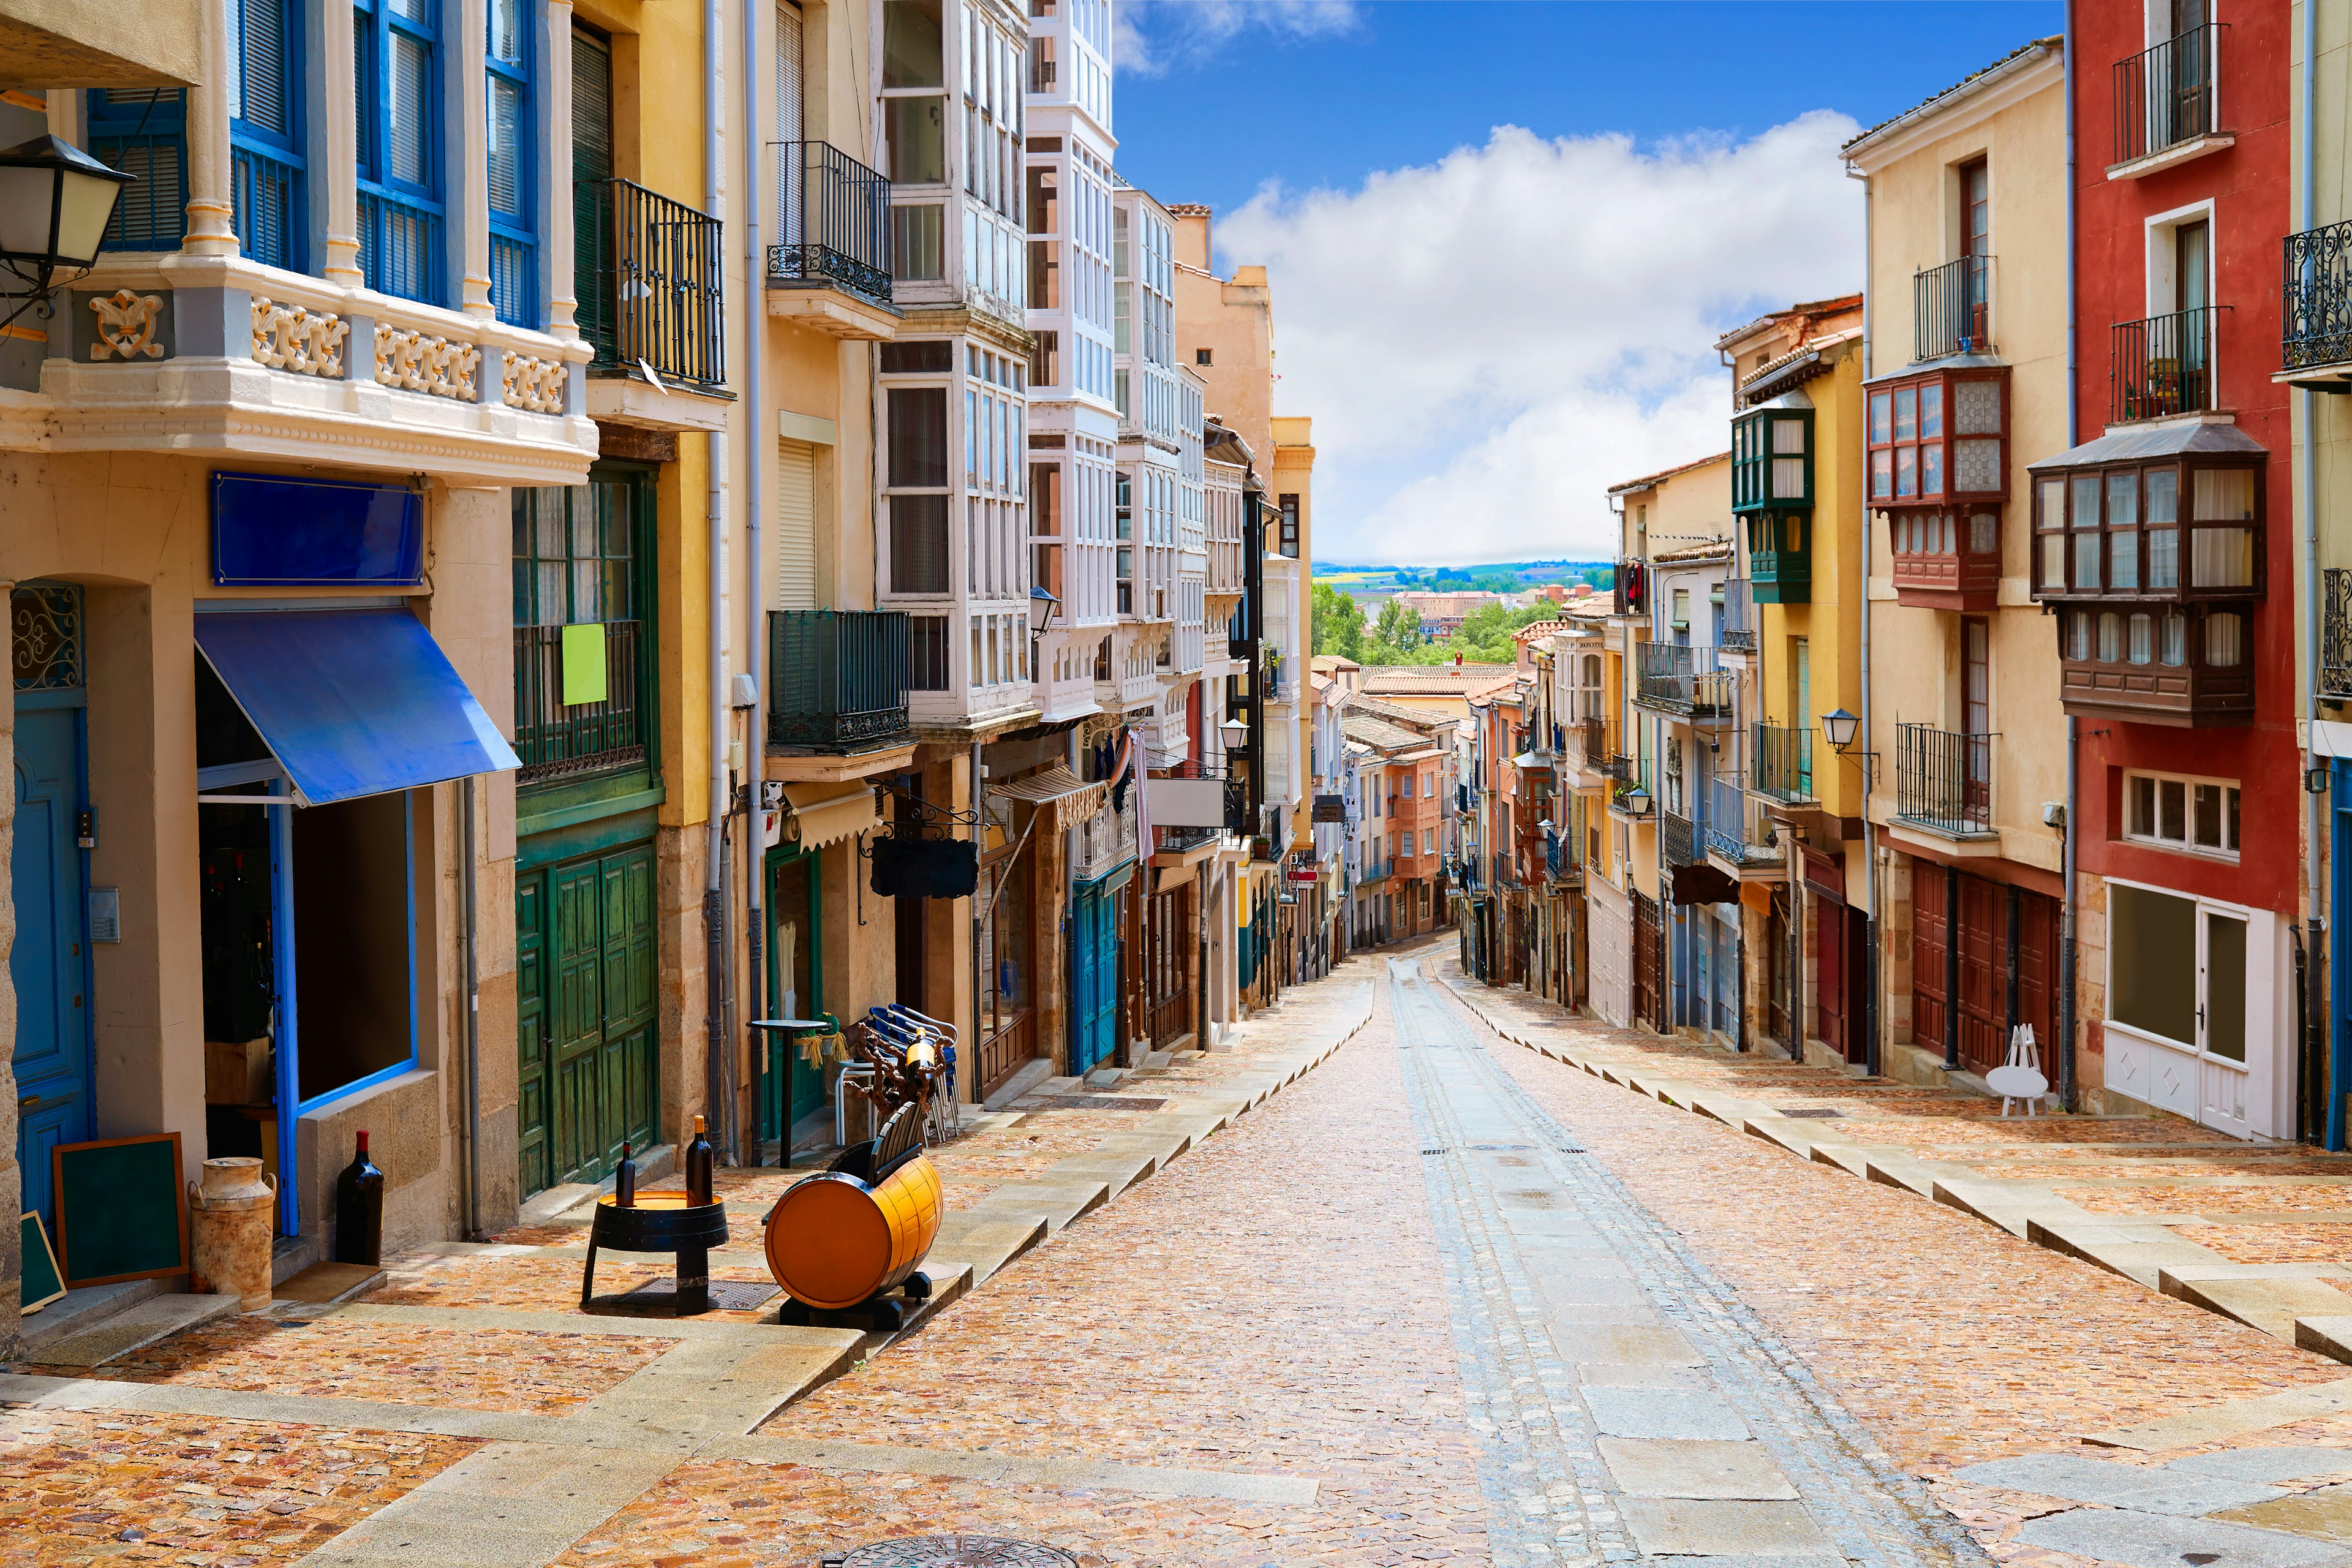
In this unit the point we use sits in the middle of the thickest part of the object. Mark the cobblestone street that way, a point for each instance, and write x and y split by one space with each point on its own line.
1441 1298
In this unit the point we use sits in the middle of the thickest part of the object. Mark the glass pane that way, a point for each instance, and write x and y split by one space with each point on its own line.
1788 437
919 544
918 436
2152 961
2163 495
2123 500
412 97
261 74
2086 560
2225 986
918 154
2176 640
1931 470
2053 561
1788 474
2052 494
2230 815
2205 815
1882 473
2078 635
2224 495
1879 405
1931 412
506 147
2141 649
912 55
507 41
1906 470
2123 558
2172 810
2142 805
2086 501
917 243
2224 641
2164 558
2222 558
1907 415
2111 637
1984 533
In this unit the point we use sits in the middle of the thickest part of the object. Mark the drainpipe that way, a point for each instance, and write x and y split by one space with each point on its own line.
2319 1034
754 462
473 1016
1870 1047
2069 1088
714 906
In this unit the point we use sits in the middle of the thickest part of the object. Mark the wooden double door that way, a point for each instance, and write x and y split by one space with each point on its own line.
2005 942
584 973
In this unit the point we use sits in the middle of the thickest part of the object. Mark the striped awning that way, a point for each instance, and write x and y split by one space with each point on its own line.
826 813
1057 786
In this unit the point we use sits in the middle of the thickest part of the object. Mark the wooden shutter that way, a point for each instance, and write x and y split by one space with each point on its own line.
795 526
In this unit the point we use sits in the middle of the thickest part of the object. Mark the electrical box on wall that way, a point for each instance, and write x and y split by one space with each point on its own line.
105 914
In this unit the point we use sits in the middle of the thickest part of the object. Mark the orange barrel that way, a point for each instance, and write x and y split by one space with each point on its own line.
833 1242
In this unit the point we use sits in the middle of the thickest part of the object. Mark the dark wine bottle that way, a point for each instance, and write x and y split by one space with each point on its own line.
698 1166
624 1182
359 1210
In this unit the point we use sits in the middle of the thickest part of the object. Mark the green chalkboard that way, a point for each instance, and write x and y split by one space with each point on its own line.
120 1211
42 1284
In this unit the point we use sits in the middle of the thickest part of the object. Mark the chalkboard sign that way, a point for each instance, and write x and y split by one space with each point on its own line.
42 1284
121 1213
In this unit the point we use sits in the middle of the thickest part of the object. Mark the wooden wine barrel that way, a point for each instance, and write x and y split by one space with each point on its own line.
833 1242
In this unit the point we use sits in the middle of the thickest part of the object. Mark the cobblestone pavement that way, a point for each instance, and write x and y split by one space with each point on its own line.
1442 1299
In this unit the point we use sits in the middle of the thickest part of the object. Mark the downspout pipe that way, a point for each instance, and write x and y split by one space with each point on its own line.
714 906
466 891
2320 1036
755 450
2069 1088
1870 1009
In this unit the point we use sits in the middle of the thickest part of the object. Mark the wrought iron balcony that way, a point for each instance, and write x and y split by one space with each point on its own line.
2317 318
2165 96
1782 763
1629 586
557 740
1678 843
1951 308
1943 780
2163 365
653 293
833 222
1177 841
1732 832
1679 680
1738 634
837 679
2336 634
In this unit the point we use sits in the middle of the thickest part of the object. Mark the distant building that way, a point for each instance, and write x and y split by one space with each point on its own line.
1442 615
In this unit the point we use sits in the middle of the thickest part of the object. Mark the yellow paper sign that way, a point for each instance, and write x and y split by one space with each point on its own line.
583 665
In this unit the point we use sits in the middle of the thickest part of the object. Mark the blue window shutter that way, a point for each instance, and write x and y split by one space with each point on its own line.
507 52
143 133
266 152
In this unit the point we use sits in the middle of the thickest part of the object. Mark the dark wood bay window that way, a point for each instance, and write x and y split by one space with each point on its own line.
1940 473
2155 570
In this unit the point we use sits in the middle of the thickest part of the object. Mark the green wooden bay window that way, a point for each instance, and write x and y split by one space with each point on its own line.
1772 492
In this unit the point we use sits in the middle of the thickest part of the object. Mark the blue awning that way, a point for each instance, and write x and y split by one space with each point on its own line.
352 702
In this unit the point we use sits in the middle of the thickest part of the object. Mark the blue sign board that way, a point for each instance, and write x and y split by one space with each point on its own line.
271 531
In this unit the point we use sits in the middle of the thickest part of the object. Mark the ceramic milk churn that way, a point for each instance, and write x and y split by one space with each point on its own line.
231 1231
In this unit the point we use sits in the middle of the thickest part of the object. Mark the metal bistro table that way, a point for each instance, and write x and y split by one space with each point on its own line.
792 1031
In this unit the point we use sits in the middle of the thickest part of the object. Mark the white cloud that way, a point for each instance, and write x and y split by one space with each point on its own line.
1488 342
1152 36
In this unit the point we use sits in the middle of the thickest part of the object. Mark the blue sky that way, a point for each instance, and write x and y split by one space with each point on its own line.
1567 202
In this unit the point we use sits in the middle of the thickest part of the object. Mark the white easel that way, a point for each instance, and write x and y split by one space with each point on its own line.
2020 1080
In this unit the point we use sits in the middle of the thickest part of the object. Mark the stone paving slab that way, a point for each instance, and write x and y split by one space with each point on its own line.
1014 1469
1711 1471
135 1328
2271 1305
1678 1528
2233 1418
2273 1465
512 1505
1663 1413
2150 1488
2323 1515
2154 1541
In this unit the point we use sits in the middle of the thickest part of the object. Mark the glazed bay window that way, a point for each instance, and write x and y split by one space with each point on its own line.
915 469
1938 470
1772 491
914 123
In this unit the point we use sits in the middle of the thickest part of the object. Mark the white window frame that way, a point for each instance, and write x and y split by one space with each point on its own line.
2228 855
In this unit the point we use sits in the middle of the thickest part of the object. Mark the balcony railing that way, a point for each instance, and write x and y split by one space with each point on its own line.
1943 780
2163 365
832 217
1177 840
1951 308
557 740
1596 741
1738 634
1683 680
2164 95
1629 588
1678 842
836 679
1783 762
651 295
2336 634
2316 321
1730 828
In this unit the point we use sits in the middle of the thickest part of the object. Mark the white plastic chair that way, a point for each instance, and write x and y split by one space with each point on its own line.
2020 1080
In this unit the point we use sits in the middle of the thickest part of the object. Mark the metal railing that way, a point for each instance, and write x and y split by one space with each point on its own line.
2315 319
2336 634
1728 819
833 217
1629 588
1951 308
1596 741
2163 365
1177 840
1506 876
1783 761
1677 839
1943 779
1683 679
654 293
558 740
1738 634
2164 95
836 679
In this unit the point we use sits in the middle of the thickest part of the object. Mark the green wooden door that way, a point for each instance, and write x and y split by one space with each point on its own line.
585 963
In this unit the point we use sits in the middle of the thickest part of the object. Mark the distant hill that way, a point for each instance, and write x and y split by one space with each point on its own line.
1371 583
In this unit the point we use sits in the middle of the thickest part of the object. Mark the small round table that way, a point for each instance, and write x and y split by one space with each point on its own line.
660 1222
793 1030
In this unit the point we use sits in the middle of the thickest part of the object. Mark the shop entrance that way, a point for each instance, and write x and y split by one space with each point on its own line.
585 1004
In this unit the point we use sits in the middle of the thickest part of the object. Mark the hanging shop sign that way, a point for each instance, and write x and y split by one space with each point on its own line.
273 532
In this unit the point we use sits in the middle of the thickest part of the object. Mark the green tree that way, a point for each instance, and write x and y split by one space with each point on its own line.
1338 623
1396 634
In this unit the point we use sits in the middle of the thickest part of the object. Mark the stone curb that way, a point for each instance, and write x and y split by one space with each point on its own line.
2288 1301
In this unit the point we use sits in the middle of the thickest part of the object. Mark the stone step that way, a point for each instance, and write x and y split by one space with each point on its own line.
135 1328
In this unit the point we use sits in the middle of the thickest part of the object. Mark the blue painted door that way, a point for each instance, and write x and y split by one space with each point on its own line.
1094 977
47 963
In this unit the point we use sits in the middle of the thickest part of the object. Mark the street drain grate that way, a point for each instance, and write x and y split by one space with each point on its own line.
1501 1147
726 1295
1813 1112
1098 1102
952 1552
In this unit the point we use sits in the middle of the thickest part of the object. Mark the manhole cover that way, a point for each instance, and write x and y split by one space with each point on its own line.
726 1295
953 1552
